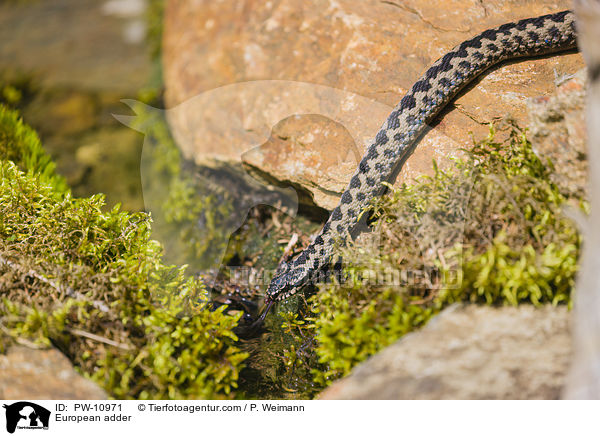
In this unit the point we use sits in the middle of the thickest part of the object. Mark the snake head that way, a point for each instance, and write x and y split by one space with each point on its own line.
288 280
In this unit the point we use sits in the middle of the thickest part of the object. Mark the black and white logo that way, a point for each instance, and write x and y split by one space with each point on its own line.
25 415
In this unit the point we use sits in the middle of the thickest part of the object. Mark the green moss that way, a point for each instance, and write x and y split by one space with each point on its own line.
11 95
20 144
489 231
94 284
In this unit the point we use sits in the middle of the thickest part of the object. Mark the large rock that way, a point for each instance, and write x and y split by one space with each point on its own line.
558 133
373 50
470 352
43 374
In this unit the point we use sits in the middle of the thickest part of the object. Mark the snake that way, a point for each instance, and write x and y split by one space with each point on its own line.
405 127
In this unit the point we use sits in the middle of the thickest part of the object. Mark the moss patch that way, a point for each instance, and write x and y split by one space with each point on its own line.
490 231
93 283
20 144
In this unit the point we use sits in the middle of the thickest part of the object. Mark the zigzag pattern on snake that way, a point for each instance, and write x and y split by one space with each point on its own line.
399 135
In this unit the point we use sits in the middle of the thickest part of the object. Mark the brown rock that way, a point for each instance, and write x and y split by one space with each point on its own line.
469 352
72 44
375 49
43 374
558 133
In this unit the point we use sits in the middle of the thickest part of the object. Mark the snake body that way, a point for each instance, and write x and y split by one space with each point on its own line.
406 124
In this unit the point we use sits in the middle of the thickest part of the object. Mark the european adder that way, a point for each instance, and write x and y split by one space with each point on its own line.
408 122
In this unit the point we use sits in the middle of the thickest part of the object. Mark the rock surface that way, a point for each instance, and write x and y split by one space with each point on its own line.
73 44
373 50
558 133
470 352
43 374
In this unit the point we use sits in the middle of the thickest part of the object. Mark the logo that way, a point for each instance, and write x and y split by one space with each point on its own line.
26 415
